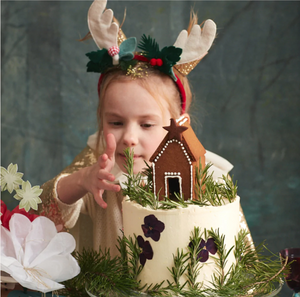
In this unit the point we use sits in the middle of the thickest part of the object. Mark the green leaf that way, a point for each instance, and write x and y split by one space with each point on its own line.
171 54
127 49
99 61
97 56
150 47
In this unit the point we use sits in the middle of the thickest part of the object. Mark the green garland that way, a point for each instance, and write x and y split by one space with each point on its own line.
101 61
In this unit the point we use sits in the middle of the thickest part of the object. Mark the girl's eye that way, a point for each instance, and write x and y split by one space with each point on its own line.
116 123
147 125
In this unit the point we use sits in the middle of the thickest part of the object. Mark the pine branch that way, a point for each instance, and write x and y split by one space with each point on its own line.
149 46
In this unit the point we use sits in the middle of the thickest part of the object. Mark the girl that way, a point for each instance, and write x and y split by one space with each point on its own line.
138 94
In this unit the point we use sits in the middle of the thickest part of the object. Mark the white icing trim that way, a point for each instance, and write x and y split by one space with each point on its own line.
166 145
192 181
154 183
180 121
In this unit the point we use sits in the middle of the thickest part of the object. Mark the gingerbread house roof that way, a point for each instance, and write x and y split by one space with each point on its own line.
183 132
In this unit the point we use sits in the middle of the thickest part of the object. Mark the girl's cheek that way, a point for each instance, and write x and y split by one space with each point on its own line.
106 129
155 141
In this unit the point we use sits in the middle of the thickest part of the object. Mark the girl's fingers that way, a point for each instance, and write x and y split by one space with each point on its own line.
99 199
103 161
105 175
110 146
104 185
106 162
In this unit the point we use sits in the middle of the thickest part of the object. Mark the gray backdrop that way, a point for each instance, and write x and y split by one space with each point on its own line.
246 106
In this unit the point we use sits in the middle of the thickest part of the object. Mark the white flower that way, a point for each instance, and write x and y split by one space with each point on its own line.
10 178
29 196
35 255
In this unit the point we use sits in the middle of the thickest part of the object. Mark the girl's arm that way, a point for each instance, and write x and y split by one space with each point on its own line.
94 179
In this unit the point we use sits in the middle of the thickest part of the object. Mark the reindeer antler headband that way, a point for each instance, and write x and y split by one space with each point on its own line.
117 51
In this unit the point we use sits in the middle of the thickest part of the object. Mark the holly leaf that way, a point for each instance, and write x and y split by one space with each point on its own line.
93 67
97 56
171 54
99 61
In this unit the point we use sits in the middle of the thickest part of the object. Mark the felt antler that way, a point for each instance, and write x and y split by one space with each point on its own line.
194 45
102 28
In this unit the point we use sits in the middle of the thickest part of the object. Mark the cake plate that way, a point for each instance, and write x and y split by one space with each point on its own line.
275 292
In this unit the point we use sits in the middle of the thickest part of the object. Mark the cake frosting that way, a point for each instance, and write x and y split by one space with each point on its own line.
178 226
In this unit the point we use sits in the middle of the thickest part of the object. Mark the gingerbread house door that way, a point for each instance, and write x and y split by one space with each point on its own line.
173 186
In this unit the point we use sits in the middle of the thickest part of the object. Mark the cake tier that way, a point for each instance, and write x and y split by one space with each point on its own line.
178 227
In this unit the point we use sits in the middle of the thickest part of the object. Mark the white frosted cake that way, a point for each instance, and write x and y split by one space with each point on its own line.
178 227
192 219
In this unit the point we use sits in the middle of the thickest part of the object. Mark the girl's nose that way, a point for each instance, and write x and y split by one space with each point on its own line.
130 137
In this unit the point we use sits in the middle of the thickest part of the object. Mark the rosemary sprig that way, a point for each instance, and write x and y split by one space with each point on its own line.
179 268
157 290
131 253
170 204
221 261
137 189
100 275
194 266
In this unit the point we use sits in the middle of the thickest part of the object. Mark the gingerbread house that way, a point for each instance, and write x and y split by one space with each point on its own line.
175 160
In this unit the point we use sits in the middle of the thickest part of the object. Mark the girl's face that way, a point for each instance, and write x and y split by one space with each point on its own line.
134 117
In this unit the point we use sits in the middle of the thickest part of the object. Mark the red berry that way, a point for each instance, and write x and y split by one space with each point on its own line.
153 62
159 62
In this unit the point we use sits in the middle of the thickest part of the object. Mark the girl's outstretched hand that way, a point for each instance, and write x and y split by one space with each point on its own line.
100 176
94 179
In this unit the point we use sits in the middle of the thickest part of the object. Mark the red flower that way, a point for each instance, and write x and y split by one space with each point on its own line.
6 214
